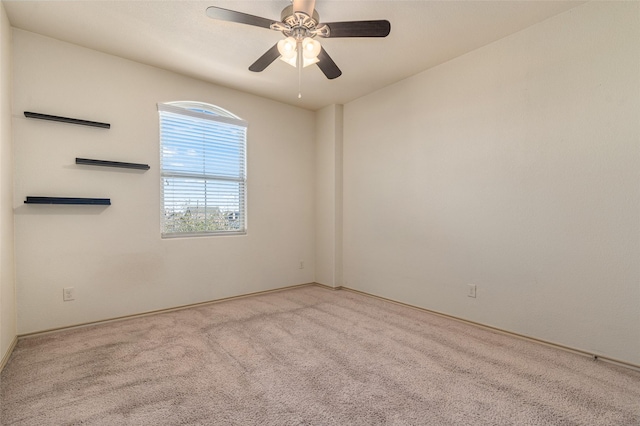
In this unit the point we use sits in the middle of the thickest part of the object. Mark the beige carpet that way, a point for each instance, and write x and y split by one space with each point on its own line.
307 356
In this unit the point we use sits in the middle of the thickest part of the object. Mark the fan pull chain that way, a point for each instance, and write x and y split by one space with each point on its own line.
299 63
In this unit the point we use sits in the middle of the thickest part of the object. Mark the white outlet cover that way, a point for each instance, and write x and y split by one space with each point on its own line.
68 293
472 290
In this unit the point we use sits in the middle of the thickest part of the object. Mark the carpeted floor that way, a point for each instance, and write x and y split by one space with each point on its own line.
306 356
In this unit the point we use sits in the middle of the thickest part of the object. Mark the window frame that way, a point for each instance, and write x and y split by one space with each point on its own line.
203 111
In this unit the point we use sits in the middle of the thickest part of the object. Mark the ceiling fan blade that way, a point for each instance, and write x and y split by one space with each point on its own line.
327 66
305 6
265 60
380 28
239 17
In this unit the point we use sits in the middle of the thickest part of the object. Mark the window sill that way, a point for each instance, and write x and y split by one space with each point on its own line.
201 234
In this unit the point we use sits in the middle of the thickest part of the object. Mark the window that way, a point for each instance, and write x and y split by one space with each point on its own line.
203 170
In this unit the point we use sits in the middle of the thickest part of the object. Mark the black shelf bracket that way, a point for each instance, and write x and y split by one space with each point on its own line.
69 200
90 162
66 120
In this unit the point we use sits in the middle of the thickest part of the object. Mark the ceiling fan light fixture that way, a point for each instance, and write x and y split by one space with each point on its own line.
288 51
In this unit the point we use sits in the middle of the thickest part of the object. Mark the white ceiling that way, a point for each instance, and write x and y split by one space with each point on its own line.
178 36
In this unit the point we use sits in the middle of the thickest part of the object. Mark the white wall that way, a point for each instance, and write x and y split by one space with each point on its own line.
516 168
328 218
7 277
114 256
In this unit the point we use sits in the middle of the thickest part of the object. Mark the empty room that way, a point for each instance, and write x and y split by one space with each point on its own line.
319 212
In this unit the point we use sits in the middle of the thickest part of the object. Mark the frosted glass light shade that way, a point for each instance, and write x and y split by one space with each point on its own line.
288 48
311 48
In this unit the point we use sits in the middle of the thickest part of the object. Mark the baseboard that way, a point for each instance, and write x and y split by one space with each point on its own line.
566 348
7 355
328 287
160 311
337 288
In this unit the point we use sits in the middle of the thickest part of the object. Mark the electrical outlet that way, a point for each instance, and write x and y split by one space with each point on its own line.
68 294
301 265
471 291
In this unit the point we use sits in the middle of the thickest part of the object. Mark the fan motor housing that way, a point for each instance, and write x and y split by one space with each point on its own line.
299 19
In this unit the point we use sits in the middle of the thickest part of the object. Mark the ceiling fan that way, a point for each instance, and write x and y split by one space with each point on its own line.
300 24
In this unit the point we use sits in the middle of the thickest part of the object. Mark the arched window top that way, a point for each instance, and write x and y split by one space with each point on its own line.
203 108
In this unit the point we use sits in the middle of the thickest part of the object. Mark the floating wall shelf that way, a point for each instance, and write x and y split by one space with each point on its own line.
68 200
90 162
66 120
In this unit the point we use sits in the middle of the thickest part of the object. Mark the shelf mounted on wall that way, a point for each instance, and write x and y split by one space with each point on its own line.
104 163
69 200
66 120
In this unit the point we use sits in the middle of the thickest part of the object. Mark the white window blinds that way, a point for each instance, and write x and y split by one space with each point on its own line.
203 162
